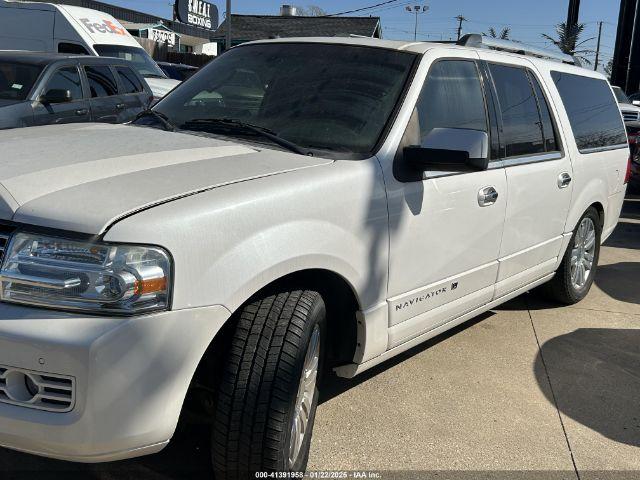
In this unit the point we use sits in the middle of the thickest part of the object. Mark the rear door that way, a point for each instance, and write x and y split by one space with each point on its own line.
133 98
103 89
77 110
539 173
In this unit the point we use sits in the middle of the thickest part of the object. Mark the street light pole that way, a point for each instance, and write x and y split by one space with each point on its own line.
417 9
228 40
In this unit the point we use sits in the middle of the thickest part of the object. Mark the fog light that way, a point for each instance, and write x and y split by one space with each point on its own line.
20 387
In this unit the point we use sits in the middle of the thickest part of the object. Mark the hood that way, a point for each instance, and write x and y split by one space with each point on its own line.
84 177
7 103
161 86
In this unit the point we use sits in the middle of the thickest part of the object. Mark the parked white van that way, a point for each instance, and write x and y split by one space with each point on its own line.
298 206
45 27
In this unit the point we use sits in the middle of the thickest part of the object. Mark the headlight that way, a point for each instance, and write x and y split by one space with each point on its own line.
94 277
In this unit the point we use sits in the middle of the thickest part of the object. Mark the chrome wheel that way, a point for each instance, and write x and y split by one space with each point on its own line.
583 253
304 399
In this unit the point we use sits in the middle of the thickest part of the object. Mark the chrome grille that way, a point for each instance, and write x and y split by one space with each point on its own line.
42 391
630 116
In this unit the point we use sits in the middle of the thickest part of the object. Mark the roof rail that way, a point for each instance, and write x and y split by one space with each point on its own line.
481 41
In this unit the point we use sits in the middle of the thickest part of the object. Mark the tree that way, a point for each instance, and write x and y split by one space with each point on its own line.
504 34
568 41
310 11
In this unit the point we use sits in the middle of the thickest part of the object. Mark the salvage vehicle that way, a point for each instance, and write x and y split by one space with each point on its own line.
46 27
213 259
48 88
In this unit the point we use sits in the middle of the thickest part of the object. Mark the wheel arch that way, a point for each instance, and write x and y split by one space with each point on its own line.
342 303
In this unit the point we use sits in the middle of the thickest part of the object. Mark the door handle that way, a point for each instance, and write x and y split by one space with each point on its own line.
82 111
564 179
487 196
121 106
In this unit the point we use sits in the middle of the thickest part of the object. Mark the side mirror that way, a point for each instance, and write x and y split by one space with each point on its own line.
636 102
450 149
56 96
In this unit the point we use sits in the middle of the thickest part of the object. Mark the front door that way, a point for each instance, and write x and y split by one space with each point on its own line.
539 175
77 110
444 234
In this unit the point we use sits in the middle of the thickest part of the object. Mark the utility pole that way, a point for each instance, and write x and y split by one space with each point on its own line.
228 40
598 47
417 9
460 19
573 13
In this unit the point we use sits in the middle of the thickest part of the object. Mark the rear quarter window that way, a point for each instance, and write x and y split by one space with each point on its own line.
592 110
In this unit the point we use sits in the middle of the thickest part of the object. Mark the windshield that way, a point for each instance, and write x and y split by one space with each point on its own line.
620 95
139 57
318 96
17 79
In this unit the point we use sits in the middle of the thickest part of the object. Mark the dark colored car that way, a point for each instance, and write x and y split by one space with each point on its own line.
633 134
178 71
48 88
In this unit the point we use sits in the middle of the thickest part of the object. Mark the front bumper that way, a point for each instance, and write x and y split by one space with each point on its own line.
131 376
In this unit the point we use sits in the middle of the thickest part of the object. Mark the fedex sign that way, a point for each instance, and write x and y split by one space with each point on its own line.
102 26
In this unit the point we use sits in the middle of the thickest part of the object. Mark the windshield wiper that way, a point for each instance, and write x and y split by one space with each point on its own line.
153 75
204 124
161 117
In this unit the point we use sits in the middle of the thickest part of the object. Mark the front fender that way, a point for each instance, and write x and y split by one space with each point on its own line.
229 242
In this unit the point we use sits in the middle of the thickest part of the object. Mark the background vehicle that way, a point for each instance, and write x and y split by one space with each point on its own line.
630 112
282 219
635 98
74 30
46 88
177 71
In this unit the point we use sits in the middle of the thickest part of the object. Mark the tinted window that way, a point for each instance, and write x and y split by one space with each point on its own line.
452 98
140 59
592 109
550 139
17 79
129 81
101 81
72 48
66 79
522 129
332 97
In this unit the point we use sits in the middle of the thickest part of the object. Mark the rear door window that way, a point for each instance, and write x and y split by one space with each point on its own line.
592 110
548 127
129 81
102 83
522 129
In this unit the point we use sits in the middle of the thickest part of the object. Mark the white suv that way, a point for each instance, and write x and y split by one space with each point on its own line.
298 205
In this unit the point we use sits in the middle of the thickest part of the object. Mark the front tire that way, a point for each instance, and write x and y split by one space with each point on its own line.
574 278
268 395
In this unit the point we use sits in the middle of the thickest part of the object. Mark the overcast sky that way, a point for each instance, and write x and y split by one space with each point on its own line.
527 19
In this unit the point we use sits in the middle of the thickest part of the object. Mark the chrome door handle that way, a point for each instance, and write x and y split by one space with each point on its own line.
564 179
82 111
121 106
487 196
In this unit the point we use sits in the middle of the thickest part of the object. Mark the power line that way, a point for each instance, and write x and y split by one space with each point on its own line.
361 9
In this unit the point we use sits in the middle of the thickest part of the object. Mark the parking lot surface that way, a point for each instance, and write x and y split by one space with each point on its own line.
528 390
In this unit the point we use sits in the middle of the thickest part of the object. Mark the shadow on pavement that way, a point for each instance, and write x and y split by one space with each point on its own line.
595 377
626 235
620 281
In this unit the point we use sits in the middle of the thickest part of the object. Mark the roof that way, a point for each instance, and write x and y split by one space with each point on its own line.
44 58
32 58
256 27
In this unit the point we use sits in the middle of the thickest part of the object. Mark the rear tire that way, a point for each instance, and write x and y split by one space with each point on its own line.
574 277
277 339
